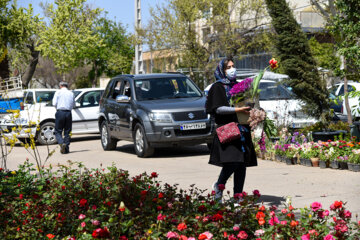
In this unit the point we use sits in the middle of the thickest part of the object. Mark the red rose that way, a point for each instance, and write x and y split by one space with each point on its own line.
143 193
21 196
201 208
221 187
82 202
154 174
50 236
161 195
123 238
101 233
181 226
159 208
338 204
63 187
217 217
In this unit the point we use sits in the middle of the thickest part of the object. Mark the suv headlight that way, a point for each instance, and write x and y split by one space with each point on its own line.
160 117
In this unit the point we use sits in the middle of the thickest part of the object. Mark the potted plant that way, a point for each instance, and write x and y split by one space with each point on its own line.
343 162
305 156
314 155
290 156
354 161
324 159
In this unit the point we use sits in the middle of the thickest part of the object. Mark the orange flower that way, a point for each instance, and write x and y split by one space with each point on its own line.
50 236
260 215
273 63
261 221
350 144
294 223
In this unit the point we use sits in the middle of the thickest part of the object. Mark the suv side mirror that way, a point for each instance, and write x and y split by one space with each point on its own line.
77 105
122 99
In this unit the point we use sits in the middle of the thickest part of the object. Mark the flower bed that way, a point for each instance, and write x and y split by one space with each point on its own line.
97 204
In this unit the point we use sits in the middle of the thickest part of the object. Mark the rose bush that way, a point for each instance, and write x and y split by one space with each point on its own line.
78 203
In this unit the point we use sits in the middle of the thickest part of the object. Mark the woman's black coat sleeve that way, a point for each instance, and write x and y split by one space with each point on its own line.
216 98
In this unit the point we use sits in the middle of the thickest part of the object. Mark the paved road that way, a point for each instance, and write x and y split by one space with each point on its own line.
188 165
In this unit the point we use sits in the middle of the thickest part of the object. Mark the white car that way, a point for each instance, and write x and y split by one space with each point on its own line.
280 103
338 91
39 109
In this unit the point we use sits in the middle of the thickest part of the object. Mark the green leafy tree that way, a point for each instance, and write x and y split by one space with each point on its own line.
115 55
346 29
69 34
18 26
324 54
296 59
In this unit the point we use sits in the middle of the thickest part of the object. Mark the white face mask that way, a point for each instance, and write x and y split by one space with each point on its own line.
231 73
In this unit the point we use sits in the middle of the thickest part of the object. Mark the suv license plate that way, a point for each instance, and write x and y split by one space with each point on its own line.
192 126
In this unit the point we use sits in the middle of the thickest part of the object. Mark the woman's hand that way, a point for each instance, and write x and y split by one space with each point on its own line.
243 109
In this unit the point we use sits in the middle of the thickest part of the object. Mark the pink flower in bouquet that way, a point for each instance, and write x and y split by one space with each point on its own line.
316 206
256 116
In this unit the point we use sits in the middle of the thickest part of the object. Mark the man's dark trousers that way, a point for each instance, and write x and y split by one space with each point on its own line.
63 122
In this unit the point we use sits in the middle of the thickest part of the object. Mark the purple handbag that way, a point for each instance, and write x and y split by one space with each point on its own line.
228 132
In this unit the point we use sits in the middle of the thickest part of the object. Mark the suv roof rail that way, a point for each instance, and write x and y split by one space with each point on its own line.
126 75
175 73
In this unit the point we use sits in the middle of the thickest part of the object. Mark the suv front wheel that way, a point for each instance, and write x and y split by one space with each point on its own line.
142 147
107 142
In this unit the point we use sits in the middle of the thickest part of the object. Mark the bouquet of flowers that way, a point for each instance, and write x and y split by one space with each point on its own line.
246 93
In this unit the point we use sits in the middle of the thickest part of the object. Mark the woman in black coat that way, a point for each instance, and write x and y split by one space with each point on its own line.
236 155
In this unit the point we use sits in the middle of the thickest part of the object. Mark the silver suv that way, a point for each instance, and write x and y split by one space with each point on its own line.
153 110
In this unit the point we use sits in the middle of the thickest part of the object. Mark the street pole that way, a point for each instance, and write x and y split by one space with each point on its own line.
138 47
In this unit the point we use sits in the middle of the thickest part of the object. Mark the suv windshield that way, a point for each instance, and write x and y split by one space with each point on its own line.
166 88
274 91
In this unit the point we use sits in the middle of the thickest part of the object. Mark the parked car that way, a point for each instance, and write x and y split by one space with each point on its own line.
338 90
39 109
153 110
279 102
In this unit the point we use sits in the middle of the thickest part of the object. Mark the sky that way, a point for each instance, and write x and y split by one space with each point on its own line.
120 10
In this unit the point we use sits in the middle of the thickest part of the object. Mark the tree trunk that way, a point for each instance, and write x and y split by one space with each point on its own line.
93 81
4 68
346 98
30 69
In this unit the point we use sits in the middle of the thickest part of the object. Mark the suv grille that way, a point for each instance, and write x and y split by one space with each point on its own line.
185 116
179 132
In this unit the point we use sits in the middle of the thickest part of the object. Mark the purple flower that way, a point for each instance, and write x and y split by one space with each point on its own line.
241 87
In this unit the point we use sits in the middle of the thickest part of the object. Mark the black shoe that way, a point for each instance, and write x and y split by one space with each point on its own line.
62 148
